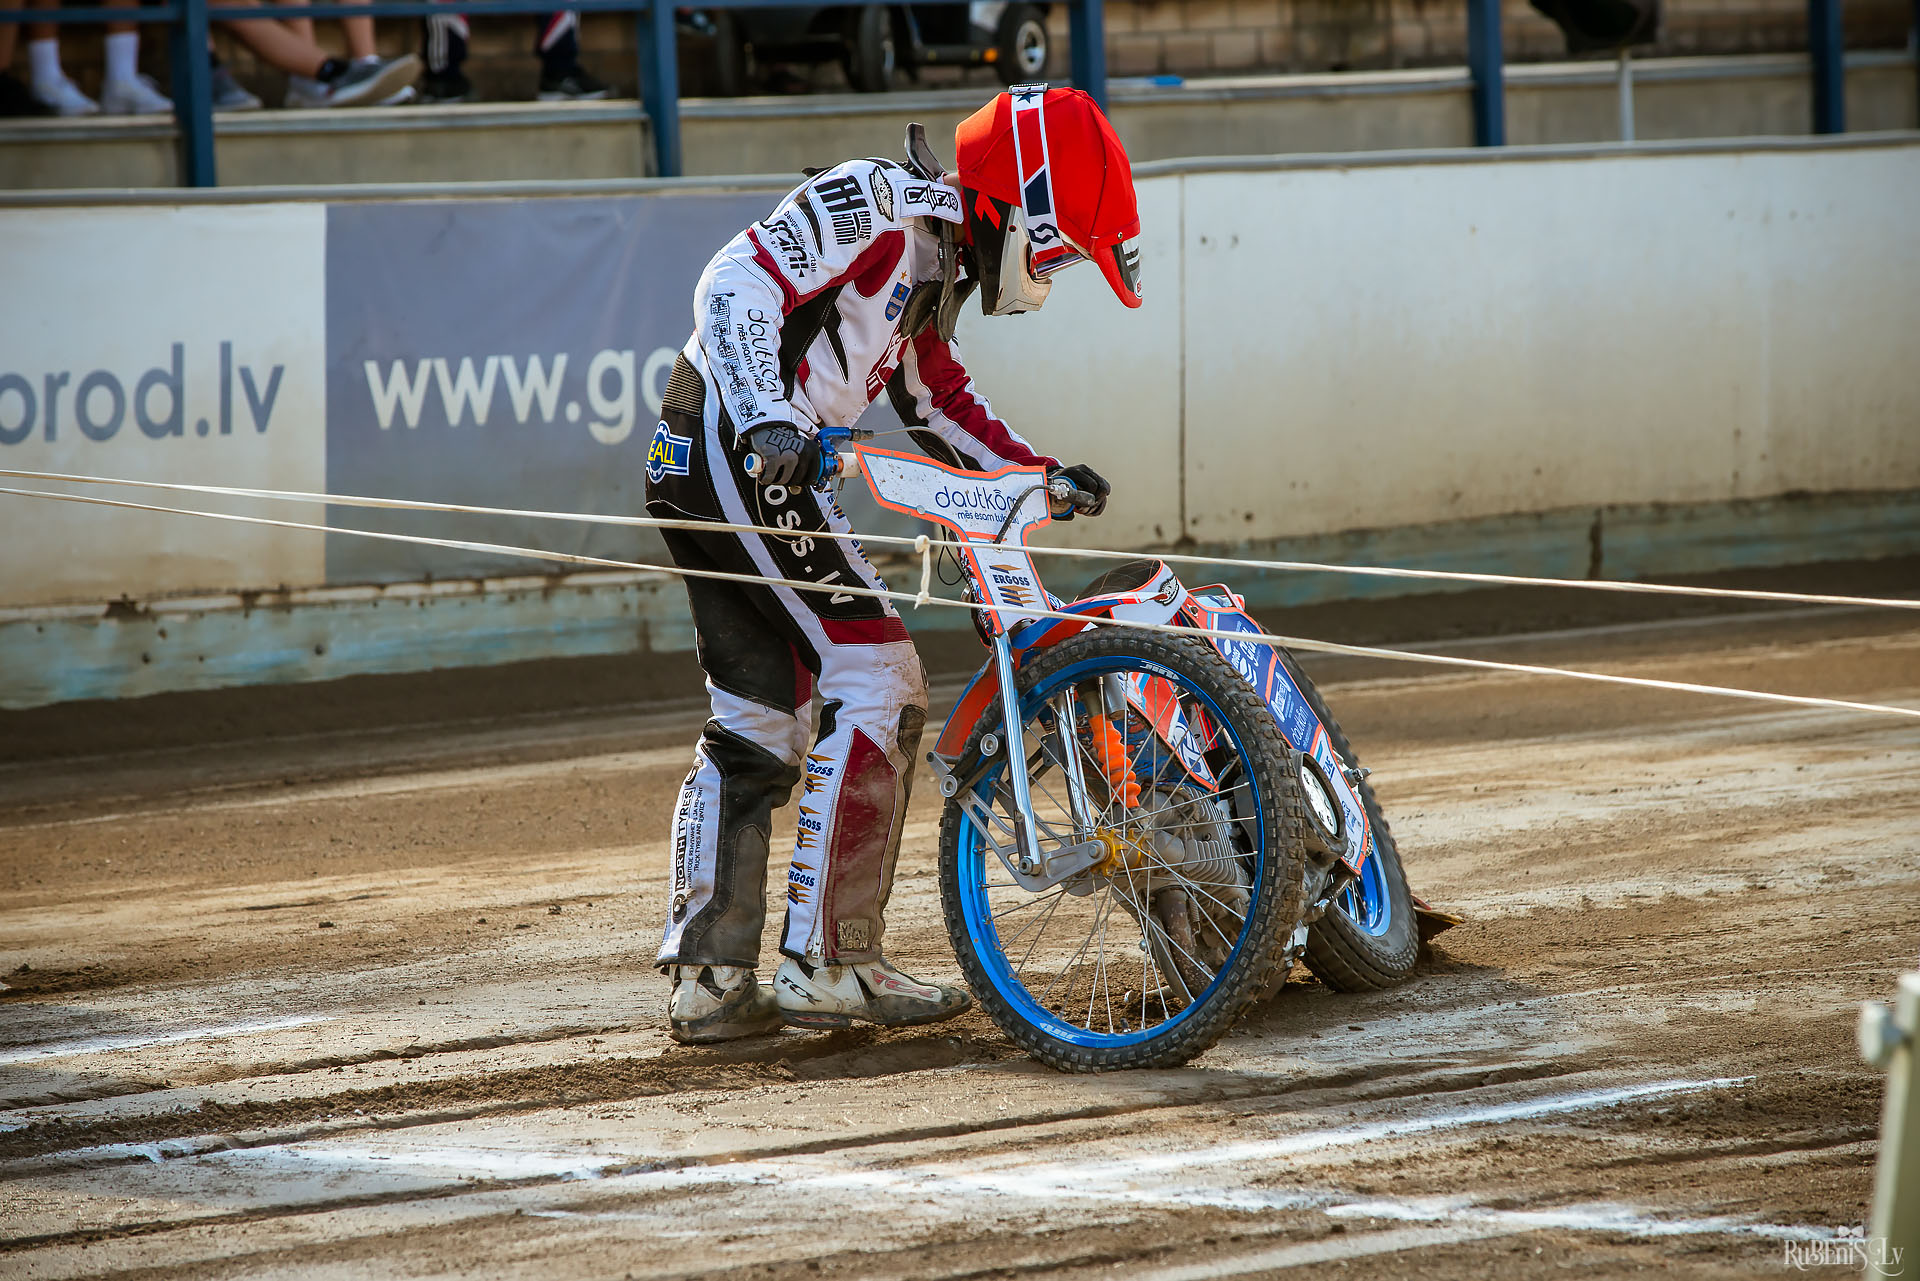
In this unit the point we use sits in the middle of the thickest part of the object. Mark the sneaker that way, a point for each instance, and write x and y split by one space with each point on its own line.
445 86
831 996
718 1003
577 85
403 96
230 95
64 98
365 84
136 97
18 100
305 91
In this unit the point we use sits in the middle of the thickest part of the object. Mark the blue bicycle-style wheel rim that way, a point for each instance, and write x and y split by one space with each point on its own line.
974 855
1366 902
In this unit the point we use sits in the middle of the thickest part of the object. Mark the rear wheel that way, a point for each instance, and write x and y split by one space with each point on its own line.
1187 891
1368 938
1022 45
871 57
730 68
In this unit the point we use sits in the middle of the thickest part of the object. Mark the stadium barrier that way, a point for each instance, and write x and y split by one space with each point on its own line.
1356 360
1759 95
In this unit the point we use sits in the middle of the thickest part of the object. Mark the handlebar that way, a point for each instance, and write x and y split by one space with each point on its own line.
836 465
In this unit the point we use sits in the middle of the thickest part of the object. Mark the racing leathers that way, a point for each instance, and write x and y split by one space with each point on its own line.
798 320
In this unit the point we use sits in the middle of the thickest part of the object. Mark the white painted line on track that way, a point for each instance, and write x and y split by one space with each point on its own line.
1327 1250
140 1041
1354 1135
1131 1180
1598 1216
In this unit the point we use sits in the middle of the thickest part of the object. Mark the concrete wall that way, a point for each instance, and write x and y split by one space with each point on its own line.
1552 361
1415 342
1371 111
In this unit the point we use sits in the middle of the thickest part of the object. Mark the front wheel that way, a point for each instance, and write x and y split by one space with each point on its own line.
1145 955
1368 938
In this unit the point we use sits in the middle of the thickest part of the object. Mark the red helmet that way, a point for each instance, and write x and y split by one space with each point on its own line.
1046 184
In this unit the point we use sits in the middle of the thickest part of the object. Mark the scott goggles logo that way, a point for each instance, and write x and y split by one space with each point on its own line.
670 454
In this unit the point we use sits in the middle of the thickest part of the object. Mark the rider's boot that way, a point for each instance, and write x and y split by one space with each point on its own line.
719 1003
833 996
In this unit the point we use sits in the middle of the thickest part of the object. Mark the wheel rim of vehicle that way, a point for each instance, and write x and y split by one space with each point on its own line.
1096 1013
1030 48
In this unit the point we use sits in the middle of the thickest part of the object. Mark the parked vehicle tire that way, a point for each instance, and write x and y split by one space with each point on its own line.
1368 938
1023 45
730 70
871 57
1146 956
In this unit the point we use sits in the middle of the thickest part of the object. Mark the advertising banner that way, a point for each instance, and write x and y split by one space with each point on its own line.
175 345
506 354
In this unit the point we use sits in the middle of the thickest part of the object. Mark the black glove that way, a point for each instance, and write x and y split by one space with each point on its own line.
1087 480
787 455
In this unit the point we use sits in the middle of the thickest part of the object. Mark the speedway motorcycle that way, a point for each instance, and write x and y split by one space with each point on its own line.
1144 826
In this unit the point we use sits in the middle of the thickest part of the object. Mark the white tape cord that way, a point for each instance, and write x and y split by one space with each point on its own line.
1291 642
919 544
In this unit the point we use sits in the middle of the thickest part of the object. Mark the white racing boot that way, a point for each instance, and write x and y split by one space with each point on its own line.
718 1003
832 996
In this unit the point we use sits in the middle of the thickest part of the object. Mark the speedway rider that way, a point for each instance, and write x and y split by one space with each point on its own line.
851 286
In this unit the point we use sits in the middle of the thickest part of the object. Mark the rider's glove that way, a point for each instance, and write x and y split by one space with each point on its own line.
787 455
1087 480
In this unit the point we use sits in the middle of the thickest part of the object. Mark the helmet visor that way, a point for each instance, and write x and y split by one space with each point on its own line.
1120 264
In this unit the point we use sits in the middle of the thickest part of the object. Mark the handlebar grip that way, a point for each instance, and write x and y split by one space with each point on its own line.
834 464
1062 490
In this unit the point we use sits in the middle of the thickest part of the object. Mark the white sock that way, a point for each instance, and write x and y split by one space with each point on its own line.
123 57
43 58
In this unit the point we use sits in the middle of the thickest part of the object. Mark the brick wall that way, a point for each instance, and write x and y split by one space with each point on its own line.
1200 37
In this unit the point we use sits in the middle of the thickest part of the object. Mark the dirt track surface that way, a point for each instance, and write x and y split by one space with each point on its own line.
366 1004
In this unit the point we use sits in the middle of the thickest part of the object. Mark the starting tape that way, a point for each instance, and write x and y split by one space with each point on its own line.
925 547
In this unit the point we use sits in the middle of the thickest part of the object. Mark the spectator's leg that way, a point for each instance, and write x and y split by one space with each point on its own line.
359 32
50 84
444 37
562 78
124 91
15 98
304 91
341 84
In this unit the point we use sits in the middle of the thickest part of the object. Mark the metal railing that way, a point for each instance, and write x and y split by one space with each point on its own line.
1486 60
190 22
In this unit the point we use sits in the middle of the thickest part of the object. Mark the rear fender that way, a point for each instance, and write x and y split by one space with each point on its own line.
1259 665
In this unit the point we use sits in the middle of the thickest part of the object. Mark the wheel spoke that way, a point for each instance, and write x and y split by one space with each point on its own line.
1053 942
